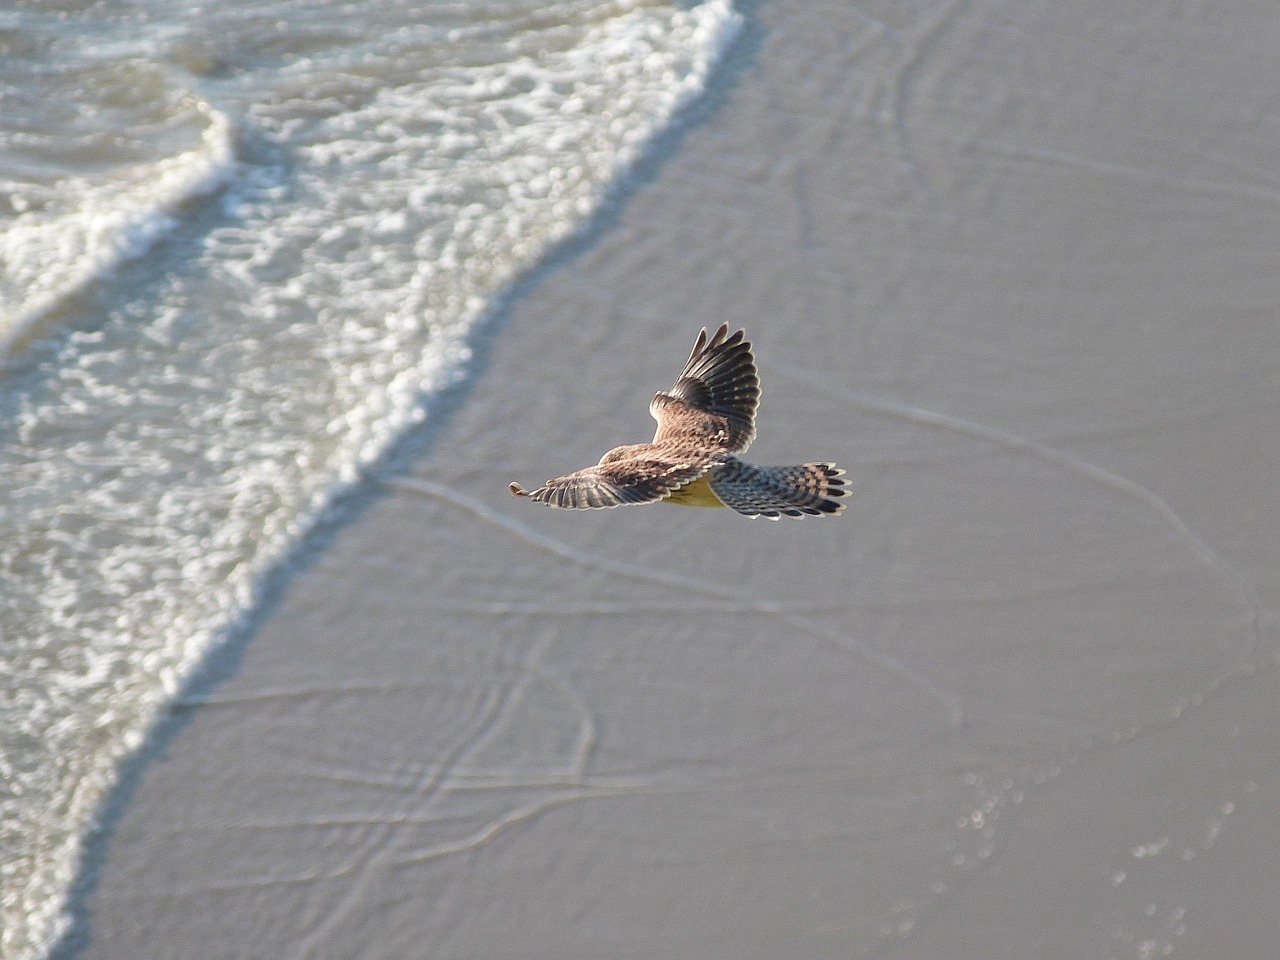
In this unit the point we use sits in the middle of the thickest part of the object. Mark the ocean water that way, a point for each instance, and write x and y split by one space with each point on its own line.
242 249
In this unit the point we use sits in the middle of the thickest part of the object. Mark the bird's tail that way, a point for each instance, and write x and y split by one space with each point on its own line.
810 489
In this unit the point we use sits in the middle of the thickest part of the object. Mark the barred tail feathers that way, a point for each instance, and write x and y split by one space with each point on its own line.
810 489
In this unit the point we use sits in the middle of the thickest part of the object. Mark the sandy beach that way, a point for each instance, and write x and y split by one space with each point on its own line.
1014 267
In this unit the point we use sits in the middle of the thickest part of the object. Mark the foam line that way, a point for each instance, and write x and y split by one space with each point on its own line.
51 260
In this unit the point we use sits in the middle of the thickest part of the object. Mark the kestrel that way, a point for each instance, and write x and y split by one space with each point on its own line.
709 415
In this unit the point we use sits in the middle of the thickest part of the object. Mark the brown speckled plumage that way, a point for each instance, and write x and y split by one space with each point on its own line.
706 418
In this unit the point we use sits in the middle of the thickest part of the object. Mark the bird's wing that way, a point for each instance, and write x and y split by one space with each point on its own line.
810 489
613 484
715 397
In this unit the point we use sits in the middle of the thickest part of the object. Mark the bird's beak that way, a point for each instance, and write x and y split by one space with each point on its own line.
517 490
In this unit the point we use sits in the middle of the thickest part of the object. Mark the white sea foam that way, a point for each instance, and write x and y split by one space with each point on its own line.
51 254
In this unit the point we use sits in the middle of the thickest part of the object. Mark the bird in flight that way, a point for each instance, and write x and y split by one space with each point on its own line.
707 418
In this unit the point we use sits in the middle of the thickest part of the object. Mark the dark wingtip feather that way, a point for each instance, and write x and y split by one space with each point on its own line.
719 378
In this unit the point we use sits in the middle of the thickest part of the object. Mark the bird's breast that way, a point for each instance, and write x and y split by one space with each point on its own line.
695 494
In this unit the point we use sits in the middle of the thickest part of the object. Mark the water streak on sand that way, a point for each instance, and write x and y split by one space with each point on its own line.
1261 617
770 607
1240 663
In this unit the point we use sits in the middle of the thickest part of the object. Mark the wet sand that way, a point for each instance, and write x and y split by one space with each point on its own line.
1014 267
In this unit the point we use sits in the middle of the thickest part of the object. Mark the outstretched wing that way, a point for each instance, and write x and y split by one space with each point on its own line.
713 403
810 489
615 483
